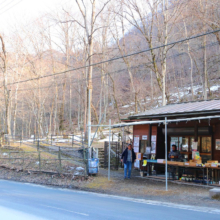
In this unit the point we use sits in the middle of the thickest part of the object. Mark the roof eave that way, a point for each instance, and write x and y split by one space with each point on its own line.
174 114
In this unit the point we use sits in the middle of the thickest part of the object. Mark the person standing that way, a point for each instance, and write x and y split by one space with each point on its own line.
128 157
175 155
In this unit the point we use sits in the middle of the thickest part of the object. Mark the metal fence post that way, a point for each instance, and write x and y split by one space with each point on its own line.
9 155
39 160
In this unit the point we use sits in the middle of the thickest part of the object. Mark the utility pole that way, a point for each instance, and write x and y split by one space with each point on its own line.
89 122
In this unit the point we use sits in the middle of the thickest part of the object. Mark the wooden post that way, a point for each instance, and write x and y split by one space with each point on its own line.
59 157
149 136
39 160
23 160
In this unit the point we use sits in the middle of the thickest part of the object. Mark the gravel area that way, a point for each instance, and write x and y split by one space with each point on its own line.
150 189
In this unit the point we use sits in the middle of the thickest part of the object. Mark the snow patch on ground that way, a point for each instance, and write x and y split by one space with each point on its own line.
214 88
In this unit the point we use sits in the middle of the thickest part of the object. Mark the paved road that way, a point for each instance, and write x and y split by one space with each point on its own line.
33 202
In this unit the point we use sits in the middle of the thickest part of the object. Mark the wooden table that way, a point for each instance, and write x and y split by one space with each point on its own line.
213 171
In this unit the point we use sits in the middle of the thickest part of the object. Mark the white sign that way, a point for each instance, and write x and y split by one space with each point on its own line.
144 137
174 139
137 164
148 149
136 149
153 138
194 145
136 141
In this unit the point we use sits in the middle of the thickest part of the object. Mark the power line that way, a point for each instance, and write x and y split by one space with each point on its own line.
11 7
3 2
116 58
5 6
117 71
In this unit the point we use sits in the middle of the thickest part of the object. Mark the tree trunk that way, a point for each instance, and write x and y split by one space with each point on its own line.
205 69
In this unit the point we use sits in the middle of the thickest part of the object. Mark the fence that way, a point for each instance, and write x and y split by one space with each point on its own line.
69 140
117 149
39 155
114 155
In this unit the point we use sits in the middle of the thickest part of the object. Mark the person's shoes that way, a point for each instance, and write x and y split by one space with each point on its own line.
129 178
125 178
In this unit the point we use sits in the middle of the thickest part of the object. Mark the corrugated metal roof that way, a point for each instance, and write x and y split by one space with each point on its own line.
200 107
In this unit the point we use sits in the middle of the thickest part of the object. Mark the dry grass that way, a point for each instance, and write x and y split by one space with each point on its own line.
216 197
25 157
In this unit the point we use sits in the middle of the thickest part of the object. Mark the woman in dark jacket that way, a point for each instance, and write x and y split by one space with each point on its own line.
128 157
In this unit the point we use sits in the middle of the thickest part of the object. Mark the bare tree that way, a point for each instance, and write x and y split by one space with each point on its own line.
7 97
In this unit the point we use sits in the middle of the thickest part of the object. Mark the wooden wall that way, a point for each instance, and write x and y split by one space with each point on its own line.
147 130
140 130
160 147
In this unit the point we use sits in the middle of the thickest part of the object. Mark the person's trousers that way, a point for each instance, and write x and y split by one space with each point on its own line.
127 169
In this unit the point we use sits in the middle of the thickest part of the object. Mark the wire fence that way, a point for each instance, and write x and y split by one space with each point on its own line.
39 155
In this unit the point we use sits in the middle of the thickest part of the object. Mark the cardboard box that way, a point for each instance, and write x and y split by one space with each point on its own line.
160 160
139 156
181 163
207 165
196 161
172 162
212 161
192 164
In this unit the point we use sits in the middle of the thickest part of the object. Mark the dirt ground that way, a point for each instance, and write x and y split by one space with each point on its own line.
136 187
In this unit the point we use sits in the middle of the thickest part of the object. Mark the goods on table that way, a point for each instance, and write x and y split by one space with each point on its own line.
212 161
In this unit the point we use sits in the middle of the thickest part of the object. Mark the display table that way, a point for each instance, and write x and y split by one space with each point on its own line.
209 174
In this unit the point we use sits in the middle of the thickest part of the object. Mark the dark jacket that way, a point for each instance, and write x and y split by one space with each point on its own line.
125 155
176 156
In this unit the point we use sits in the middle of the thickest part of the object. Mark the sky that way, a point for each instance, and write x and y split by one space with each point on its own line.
18 12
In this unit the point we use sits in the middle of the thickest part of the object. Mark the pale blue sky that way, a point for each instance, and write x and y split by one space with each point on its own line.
17 12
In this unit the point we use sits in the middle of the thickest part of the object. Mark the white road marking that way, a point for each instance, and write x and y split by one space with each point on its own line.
79 213
151 202
143 201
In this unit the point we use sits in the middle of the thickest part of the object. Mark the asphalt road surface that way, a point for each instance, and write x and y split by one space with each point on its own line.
34 202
